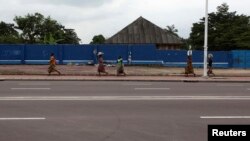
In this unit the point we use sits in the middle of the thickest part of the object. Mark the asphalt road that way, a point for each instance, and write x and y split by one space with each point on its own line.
118 111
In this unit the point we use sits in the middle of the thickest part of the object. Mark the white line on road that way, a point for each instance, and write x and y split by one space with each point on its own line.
136 84
29 118
30 88
138 89
117 98
225 117
230 85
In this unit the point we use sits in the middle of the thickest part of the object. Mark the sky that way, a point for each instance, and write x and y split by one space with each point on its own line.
107 17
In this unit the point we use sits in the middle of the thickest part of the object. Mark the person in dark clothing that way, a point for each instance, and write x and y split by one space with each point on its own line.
210 65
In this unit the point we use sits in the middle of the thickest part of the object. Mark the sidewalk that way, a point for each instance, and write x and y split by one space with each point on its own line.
130 70
135 73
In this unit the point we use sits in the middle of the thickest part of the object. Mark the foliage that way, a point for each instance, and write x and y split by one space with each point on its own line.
30 26
36 29
172 30
69 37
8 34
226 31
98 39
49 39
185 45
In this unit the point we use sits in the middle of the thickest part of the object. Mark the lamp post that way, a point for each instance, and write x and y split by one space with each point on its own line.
206 40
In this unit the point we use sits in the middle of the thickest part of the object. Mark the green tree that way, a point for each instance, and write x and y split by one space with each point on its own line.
69 37
36 29
8 34
31 27
172 30
98 39
227 31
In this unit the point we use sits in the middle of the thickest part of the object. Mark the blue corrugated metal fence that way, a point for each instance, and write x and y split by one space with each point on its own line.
139 54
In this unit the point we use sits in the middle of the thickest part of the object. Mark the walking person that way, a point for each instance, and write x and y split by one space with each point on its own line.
120 67
52 65
189 68
210 64
101 66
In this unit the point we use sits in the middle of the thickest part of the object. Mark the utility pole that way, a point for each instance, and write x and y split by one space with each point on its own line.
206 40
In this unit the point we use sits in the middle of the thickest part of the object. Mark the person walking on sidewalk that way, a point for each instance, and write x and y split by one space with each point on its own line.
189 68
210 64
52 65
101 66
120 67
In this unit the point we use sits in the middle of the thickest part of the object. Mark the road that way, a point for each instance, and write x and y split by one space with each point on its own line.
118 111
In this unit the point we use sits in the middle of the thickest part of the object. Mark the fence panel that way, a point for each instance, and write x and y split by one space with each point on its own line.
77 54
112 52
247 59
11 54
145 54
40 54
238 59
221 59
172 58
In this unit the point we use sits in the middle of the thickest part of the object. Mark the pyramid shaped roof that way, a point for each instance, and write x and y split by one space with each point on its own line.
142 31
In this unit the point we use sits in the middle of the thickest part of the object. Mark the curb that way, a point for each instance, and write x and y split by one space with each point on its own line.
135 80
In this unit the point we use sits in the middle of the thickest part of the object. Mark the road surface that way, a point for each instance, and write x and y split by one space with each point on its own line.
118 111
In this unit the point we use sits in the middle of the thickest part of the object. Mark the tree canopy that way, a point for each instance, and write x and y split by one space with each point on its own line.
37 29
8 34
226 31
98 39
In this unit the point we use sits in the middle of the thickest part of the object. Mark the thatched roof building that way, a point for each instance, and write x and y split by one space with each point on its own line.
142 31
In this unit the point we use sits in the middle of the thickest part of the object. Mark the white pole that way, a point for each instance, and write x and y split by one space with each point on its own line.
206 41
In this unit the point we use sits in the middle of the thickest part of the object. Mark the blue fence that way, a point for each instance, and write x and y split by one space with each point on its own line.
133 54
11 54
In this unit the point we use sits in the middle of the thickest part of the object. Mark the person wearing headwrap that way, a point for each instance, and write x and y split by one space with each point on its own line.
101 66
120 67
189 68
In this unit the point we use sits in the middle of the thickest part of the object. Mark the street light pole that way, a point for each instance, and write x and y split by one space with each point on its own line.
206 40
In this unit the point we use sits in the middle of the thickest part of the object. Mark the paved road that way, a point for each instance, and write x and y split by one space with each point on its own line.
118 111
